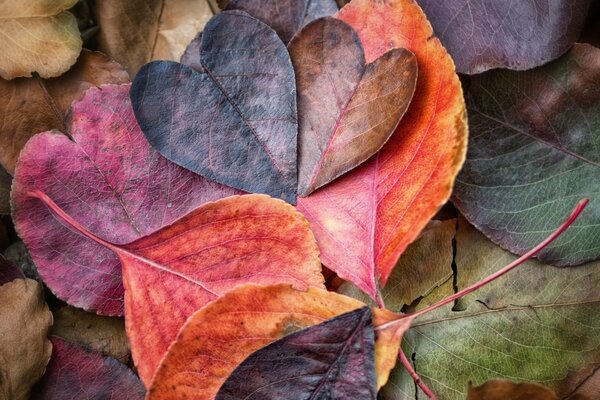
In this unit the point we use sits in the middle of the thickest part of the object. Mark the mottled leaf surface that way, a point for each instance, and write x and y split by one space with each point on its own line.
537 323
108 177
32 105
24 347
534 153
234 122
171 273
76 372
286 17
365 219
38 36
135 32
485 34
333 359
347 109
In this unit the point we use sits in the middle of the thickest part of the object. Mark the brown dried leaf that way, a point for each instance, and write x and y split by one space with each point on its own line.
105 335
137 31
32 105
507 390
24 347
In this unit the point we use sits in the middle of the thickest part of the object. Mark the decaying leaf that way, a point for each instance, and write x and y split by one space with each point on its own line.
76 372
108 177
9 271
347 109
17 253
37 36
538 324
135 32
5 182
286 17
171 273
424 269
486 34
235 121
507 390
330 360
365 219
222 334
534 154
24 348
32 105
106 335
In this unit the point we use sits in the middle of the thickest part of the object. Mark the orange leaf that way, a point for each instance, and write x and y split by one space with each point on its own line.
173 272
221 335
364 220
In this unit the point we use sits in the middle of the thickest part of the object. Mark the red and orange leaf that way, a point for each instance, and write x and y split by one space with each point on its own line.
173 272
221 335
364 220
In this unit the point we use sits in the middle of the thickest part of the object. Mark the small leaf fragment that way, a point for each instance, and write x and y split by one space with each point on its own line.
77 372
38 36
333 359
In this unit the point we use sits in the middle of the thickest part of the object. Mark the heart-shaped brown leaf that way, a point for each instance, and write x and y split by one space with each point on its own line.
331 360
234 122
347 109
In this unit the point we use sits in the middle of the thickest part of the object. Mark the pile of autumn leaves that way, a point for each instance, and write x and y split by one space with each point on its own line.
359 121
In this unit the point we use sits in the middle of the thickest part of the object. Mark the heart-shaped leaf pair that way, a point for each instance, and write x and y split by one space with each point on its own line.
233 118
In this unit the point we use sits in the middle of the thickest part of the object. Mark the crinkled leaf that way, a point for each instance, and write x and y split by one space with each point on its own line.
286 17
135 32
32 105
347 109
24 348
222 334
537 323
105 335
333 359
503 390
171 273
235 121
486 34
37 36
534 153
365 219
76 372
107 177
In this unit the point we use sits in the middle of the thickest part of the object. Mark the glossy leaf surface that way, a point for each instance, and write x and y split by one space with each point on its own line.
170 274
486 34
534 153
333 359
347 109
107 177
365 219
77 372
234 122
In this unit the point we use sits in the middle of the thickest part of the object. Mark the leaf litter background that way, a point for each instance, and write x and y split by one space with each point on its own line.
532 153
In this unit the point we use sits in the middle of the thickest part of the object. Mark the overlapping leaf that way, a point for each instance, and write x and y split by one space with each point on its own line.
347 109
486 34
537 323
38 36
233 122
170 274
32 105
534 154
221 335
135 32
333 359
78 373
503 389
286 17
364 220
107 177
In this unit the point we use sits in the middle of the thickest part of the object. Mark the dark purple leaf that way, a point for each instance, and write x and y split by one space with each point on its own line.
331 360
486 34
76 372
235 123
9 271
286 17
